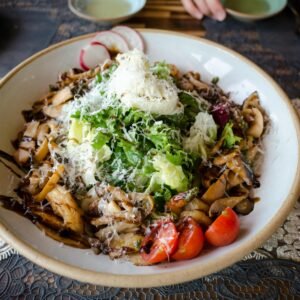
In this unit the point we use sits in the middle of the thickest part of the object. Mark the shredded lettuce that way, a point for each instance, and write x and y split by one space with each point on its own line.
134 138
104 153
100 140
100 77
169 174
192 107
202 134
161 70
229 139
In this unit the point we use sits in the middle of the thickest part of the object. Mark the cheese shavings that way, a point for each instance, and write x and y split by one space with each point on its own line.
136 86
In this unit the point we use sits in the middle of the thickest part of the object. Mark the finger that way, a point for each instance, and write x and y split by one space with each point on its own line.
192 9
217 9
203 7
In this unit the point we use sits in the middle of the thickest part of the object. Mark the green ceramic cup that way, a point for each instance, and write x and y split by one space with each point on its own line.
252 10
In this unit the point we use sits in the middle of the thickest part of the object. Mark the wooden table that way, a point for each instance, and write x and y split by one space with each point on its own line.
167 14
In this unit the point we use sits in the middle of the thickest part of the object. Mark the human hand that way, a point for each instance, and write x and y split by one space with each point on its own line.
200 8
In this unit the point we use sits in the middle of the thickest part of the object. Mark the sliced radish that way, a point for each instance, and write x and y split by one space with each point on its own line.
92 55
132 37
112 40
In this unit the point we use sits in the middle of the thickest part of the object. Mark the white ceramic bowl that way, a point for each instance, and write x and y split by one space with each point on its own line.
279 181
78 8
239 9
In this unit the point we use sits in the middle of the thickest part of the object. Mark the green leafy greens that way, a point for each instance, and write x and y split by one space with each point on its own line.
141 151
229 138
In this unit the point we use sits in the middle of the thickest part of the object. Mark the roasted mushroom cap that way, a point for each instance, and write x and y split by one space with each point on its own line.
251 101
198 215
116 228
65 206
62 96
245 207
257 122
216 190
219 205
197 204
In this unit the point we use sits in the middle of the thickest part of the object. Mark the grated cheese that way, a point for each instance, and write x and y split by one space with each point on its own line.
136 86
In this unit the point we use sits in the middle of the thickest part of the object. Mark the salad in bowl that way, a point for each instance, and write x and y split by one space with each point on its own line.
139 161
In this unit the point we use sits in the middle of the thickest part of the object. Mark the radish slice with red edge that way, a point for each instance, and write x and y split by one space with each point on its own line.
132 37
112 40
92 55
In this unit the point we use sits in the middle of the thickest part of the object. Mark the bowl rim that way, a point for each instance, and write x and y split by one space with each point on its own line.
260 16
171 277
107 19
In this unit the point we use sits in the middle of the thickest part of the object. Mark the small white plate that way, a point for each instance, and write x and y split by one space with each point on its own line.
280 170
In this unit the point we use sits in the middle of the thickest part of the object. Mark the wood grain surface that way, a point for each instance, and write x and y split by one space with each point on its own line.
164 14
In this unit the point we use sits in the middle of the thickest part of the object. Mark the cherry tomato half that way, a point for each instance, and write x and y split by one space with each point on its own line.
161 243
225 229
190 241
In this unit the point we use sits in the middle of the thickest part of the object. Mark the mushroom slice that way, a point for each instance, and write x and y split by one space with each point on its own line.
233 180
216 190
48 219
223 159
111 208
117 193
251 101
219 205
90 206
252 153
127 206
21 156
216 148
197 204
51 183
73 241
53 125
62 96
143 201
194 78
244 207
34 181
185 84
209 176
65 206
137 259
257 125
238 166
42 151
128 242
198 215
119 227
174 71
52 111
103 220
27 145
133 216
42 131
31 129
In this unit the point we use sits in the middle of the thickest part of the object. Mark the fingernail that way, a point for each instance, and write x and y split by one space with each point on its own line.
199 15
220 15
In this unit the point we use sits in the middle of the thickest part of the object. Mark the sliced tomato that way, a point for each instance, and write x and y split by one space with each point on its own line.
225 229
161 243
190 241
